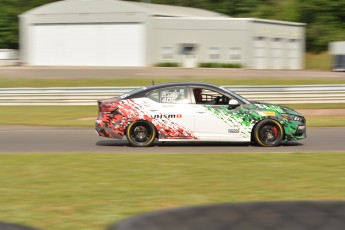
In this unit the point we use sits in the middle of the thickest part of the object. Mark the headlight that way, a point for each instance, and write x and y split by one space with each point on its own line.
293 117
298 118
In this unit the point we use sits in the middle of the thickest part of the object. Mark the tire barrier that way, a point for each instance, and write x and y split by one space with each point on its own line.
9 226
307 215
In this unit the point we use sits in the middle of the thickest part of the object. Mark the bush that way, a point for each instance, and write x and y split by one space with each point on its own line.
167 64
219 65
210 65
231 65
202 65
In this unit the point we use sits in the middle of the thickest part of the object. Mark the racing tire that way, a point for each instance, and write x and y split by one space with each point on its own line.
141 133
268 133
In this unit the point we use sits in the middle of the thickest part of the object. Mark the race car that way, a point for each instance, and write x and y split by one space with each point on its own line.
195 112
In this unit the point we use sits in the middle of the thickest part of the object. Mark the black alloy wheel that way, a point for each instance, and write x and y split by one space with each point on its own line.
141 133
268 133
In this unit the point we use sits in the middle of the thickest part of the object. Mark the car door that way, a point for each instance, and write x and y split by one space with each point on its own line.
172 114
216 121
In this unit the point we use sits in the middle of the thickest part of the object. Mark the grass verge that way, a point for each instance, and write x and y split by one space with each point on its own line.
90 191
68 116
84 116
326 122
36 82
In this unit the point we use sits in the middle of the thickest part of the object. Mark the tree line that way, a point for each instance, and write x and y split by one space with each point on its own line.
325 19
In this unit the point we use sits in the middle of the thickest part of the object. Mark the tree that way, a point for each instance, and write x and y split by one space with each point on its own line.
9 23
325 23
325 19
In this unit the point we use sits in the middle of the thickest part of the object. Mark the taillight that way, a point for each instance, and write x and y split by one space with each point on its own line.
107 105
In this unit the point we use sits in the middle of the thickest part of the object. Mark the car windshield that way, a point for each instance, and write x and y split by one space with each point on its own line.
242 99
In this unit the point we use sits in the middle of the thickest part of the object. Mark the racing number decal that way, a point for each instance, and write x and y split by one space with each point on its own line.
169 97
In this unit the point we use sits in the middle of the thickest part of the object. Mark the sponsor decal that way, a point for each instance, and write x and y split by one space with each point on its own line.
234 130
168 116
269 113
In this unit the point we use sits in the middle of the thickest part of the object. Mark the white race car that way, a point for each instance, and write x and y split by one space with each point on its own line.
195 112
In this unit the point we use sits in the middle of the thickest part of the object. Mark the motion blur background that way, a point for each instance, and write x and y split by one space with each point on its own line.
249 33
58 57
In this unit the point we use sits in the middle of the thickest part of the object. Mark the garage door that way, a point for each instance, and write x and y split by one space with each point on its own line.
294 54
87 45
260 53
277 54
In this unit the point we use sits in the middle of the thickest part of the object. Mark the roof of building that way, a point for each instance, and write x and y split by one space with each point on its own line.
118 6
178 11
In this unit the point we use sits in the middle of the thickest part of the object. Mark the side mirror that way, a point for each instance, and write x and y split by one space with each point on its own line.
233 104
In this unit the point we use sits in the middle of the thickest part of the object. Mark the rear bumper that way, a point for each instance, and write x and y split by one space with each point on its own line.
104 131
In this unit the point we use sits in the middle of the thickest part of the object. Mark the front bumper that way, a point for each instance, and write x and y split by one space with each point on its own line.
299 132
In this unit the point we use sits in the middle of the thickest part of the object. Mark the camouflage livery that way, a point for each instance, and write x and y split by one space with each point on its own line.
186 120
245 117
118 114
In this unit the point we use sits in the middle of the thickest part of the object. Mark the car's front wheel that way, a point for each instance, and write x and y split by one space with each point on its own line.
141 134
268 133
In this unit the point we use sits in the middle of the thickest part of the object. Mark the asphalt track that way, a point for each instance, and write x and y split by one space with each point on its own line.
28 139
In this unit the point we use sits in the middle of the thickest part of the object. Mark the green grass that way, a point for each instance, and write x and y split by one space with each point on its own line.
48 115
74 116
37 82
90 191
321 61
326 122
317 106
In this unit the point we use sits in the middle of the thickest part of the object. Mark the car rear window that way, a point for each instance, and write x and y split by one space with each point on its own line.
171 95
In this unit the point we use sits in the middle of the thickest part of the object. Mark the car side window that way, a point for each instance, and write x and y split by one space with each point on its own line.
209 97
173 95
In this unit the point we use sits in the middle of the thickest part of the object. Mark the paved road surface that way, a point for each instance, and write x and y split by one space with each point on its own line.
19 139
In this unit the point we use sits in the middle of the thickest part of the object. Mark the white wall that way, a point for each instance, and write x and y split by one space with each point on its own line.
121 44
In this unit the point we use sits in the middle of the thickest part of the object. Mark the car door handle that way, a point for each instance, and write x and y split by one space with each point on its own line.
201 111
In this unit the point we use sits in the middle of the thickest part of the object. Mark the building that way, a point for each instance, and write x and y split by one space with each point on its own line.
337 49
8 57
121 33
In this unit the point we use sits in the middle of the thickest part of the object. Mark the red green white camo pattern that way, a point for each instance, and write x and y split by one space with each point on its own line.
118 114
130 110
246 116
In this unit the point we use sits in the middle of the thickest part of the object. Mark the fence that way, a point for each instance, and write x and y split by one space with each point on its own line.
300 94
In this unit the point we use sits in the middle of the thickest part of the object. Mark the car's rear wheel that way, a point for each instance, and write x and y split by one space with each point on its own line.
268 133
141 134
